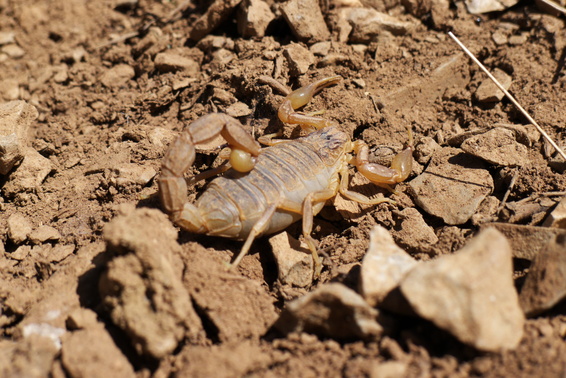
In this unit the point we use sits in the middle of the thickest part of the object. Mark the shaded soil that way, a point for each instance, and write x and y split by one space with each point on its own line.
104 129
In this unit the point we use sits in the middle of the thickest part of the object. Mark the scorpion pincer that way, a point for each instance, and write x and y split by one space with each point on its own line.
264 190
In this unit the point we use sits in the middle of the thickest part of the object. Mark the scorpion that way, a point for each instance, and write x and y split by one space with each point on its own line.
264 190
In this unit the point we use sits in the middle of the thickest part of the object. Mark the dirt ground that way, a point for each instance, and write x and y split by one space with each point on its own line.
107 110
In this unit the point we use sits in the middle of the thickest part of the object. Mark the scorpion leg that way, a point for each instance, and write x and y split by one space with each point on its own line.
301 97
181 155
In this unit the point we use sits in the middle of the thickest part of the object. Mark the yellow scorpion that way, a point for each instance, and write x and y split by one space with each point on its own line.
267 189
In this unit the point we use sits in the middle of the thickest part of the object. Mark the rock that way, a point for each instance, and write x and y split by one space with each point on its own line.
92 353
526 241
294 261
13 51
383 266
411 231
238 109
499 38
368 24
59 252
299 59
389 369
222 296
10 89
497 146
557 218
15 119
545 285
117 76
7 38
44 233
21 253
144 242
332 310
321 48
217 13
133 174
486 6
32 357
172 62
253 18
470 294
81 318
440 190
488 92
425 149
305 20
18 228
160 136
30 174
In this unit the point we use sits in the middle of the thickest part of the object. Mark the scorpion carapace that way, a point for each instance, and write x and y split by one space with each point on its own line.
275 186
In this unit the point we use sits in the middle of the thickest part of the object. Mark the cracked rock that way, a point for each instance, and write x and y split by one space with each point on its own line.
15 119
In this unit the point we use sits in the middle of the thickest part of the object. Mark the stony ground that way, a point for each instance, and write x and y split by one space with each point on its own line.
96 281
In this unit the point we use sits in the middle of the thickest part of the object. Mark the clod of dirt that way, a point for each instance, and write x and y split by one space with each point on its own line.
383 266
238 109
471 293
253 18
30 174
117 76
425 149
44 233
294 260
367 24
223 361
217 13
487 6
497 146
235 307
299 59
488 92
32 357
142 286
412 232
172 62
18 228
557 218
133 174
15 119
545 285
92 353
332 310
305 20
526 241
441 190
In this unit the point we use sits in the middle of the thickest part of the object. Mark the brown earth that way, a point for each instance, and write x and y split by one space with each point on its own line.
108 110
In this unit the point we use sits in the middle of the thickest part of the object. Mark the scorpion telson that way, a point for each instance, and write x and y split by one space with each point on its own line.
287 181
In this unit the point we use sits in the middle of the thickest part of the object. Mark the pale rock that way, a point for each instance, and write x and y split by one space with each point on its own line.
486 6
545 285
7 38
145 251
172 62
470 294
15 119
221 58
160 136
133 174
59 252
305 20
488 92
21 253
10 89
321 48
19 228
499 38
383 266
299 59
253 18
13 50
497 146
440 190
411 231
92 353
30 174
517 40
526 241
216 13
557 218
117 76
44 233
238 109
294 261
332 310
389 369
424 150
81 318
368 24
